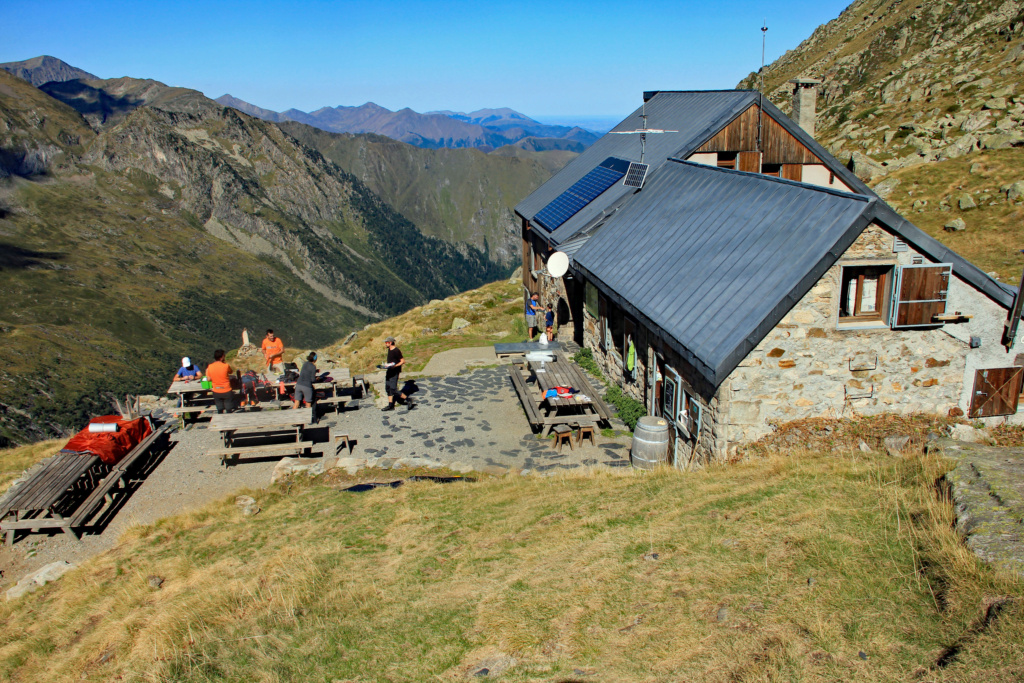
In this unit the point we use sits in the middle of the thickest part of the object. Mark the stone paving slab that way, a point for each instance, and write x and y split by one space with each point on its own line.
474 420
988 492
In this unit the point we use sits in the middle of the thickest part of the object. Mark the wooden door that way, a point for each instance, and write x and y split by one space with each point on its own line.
996 391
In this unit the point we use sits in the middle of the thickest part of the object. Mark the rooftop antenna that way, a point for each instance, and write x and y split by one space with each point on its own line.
638 171
760 89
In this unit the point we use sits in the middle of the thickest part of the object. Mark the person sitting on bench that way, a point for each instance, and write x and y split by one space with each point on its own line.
187 372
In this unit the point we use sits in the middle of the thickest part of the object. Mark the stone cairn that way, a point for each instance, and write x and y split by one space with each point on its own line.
248 349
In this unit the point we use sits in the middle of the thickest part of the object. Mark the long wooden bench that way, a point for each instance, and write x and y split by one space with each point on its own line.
268 449
532 414
337 401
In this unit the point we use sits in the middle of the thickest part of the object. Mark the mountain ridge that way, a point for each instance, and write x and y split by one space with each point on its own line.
485 129
45 69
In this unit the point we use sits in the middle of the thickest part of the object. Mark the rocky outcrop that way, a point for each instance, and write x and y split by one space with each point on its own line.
988 492
907 83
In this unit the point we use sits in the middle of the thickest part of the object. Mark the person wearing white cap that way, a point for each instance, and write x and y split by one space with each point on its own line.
187 372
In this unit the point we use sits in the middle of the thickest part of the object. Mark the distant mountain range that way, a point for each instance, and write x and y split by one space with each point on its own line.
44 69
486 129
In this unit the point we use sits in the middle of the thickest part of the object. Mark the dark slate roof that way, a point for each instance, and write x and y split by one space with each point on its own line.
715 258
697 115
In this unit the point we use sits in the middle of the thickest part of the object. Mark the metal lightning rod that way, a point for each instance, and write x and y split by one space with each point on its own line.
760 90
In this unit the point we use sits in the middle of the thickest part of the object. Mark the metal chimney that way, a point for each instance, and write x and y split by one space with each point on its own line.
805 93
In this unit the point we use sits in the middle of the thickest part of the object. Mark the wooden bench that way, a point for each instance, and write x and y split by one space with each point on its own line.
86 509
182 412
529 403
268 449
337 401
114 479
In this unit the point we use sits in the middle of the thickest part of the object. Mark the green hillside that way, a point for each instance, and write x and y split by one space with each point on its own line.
461 195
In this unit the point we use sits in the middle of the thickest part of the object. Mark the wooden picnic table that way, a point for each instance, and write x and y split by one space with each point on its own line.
233 426
560 411
559 374
34 503
39 503
522 348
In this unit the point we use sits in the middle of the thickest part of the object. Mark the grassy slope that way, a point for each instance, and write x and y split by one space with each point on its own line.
495 313
995 229
785 568
14 461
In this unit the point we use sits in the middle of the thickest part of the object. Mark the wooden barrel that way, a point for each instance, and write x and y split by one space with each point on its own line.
650 442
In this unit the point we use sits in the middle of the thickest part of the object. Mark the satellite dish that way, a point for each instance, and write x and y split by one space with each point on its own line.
558 264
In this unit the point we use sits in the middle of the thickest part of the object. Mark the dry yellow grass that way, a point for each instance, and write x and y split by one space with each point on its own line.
14 461
495 313
805 567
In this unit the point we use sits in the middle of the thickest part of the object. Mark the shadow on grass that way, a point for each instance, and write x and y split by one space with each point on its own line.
12 257
369 486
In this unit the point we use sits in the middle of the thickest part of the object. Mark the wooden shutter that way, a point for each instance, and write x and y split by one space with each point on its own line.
602 311
920 294
996 391
793 172
749 162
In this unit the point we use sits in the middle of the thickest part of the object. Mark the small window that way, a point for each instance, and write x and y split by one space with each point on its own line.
590 294
772 169
727 160
864 294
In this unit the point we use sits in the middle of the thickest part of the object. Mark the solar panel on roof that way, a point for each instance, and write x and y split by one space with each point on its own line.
635 175
583 191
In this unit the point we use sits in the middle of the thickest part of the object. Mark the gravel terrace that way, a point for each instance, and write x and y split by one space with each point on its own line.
467 422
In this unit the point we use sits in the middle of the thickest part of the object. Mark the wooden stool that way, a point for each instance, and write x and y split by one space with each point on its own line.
586 432
341 437
563 433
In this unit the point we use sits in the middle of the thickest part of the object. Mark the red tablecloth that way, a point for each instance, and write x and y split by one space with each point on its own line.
110 447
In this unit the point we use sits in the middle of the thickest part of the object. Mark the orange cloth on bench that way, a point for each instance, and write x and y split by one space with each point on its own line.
110 447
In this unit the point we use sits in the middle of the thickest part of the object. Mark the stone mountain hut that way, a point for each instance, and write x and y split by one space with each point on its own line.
757 279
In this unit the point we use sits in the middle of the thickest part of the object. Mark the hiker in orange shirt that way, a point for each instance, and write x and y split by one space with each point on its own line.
273 350
219 374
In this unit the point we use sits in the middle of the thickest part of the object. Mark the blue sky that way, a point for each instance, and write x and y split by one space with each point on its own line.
549 59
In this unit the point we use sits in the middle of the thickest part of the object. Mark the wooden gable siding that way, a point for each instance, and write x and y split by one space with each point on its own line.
741 135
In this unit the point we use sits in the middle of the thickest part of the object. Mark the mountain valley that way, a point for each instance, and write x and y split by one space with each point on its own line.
153 223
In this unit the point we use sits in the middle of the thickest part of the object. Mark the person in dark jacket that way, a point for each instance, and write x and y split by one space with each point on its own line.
393 367
304 384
